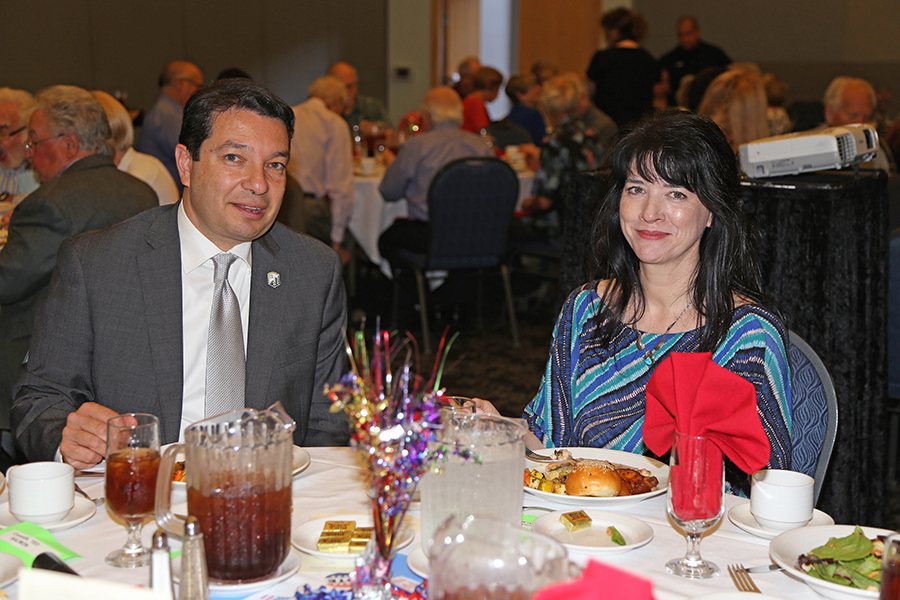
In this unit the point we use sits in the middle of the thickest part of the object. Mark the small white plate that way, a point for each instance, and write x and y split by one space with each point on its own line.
300 460
418 562
9 568
306 536
743 519
786 548
635 461
83 510
594 539
290 566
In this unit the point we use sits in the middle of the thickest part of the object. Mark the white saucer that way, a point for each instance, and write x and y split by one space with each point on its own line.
306 536
594 539
9 568
290 566
418 562
83 510
742 518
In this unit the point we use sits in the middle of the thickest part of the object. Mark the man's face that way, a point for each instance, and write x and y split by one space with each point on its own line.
13 135
856 107
48 151
688 35
351 79
233 192
189 82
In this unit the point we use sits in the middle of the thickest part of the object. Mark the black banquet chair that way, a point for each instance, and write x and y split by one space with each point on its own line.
470 206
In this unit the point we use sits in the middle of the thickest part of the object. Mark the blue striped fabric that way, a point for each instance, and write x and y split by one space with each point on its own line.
593 395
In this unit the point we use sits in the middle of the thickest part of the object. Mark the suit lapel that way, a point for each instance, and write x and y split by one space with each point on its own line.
160 278
268 304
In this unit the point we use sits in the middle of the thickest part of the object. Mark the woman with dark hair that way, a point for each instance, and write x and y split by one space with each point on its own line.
683 277
624 73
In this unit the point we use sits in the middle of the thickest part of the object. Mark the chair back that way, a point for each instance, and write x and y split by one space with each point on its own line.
814 412
470 205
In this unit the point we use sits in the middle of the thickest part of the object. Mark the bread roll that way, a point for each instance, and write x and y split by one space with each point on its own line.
594 478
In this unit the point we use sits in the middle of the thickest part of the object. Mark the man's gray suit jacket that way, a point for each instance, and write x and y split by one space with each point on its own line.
111 332
91 193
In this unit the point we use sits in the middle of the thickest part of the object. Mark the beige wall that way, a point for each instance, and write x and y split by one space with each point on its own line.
123 44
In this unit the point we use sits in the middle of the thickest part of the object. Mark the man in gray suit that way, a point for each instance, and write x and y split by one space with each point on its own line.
81 189
125 325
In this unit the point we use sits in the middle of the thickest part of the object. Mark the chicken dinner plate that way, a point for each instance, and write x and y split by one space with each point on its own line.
634 461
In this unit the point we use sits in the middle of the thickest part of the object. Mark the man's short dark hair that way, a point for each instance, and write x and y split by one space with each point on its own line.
228 94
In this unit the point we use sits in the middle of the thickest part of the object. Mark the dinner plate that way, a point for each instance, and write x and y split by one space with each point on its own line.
787 547
290 566
83 510
743 519
9 568
306 536
635 461
300 460
594 540
418 562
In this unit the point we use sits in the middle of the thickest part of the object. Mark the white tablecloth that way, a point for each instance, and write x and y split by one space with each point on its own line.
333 483
372 215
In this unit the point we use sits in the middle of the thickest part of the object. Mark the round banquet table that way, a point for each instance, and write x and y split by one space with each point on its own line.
333 483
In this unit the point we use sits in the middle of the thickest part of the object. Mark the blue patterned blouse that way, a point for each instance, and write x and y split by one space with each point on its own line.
593 395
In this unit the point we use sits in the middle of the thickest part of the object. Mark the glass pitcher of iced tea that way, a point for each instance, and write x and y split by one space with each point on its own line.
238 475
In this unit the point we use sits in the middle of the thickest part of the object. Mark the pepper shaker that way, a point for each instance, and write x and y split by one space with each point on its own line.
194 577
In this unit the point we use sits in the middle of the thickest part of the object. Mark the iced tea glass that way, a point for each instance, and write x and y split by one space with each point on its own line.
132 465
695 499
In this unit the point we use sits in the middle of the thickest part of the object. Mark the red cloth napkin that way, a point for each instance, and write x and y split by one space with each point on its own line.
689 393
597 576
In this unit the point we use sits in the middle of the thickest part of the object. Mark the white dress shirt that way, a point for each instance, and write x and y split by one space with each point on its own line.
151 171
322 160
196 303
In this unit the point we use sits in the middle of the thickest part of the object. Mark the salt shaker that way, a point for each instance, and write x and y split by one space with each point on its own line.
194 578
161 566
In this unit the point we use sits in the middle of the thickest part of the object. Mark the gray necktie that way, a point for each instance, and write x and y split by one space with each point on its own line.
225 365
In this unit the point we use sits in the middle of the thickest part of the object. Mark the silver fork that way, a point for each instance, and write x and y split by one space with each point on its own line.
741 579
535 457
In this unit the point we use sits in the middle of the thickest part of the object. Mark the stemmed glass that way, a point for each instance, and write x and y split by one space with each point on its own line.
132 463
695 499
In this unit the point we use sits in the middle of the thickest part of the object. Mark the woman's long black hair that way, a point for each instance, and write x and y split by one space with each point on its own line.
692 152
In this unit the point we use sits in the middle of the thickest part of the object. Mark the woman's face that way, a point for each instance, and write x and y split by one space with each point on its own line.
663 223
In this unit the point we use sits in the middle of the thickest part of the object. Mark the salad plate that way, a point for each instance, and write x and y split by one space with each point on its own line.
627 459
787 547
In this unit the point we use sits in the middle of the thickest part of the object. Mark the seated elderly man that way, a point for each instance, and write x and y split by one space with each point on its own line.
322 162
148 169
81 189
16 178
850 100
409 175
359 107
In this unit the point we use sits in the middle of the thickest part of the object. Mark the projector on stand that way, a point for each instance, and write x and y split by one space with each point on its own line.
793 153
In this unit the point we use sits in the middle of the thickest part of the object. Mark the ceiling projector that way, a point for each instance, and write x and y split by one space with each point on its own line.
816 150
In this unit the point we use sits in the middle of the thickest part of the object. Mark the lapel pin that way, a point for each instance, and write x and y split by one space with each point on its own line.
274 279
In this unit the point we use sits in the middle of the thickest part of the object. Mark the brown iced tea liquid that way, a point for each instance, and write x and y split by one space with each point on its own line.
246 532
131 482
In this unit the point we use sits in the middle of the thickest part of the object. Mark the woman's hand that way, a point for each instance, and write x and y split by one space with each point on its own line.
483 406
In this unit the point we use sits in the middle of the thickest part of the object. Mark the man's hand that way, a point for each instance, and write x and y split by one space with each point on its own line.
84 436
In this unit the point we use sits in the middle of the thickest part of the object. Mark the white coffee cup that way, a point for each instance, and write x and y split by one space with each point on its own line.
781 500
367 165
41 492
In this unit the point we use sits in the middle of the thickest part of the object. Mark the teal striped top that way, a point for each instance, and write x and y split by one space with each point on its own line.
593 395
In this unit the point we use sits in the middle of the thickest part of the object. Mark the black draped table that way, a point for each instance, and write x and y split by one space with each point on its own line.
823 249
